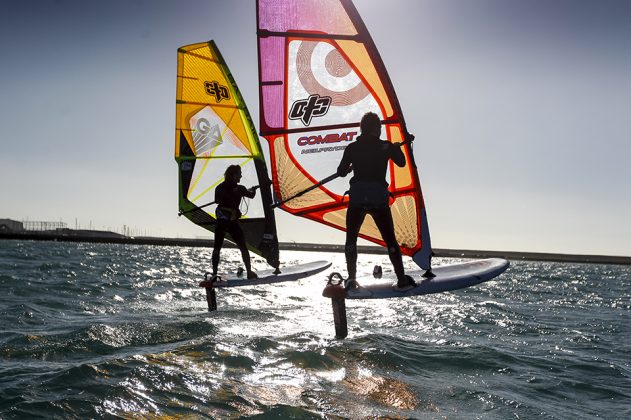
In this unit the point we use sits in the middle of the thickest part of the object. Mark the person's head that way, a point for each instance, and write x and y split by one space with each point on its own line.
370 124
233 173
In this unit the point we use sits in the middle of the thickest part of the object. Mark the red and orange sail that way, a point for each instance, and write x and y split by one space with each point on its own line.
319 73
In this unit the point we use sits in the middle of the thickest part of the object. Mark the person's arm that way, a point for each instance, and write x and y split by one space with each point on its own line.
396 154
249 193
344 168
219 193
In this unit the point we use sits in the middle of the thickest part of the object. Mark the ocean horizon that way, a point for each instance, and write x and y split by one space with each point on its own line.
92 236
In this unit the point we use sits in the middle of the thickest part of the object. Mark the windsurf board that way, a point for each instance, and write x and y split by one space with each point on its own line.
447 277
288 273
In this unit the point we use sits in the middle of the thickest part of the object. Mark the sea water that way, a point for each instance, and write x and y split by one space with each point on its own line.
102 330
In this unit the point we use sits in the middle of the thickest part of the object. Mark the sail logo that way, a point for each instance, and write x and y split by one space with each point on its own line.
218 91
305 109
328 138
206 136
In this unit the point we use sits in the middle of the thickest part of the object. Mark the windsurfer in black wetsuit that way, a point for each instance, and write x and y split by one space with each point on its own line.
228 197
368 158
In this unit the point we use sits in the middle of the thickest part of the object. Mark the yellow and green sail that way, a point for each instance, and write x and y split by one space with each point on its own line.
213 130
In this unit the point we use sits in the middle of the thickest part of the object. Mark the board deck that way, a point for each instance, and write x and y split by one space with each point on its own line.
448 277
289 273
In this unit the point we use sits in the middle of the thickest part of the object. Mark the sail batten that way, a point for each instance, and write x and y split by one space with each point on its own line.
319 73
307 34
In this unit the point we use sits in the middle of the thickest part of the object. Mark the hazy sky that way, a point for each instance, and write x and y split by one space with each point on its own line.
521 111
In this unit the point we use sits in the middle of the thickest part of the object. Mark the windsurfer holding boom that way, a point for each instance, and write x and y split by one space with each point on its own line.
368 159
228 196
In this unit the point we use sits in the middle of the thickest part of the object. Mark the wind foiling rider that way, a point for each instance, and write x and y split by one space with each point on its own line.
368 159
228 196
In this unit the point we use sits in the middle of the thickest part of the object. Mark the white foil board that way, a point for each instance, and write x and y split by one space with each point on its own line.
448 277
288 273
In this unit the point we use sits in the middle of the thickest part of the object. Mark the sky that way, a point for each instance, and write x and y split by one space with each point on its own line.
521 112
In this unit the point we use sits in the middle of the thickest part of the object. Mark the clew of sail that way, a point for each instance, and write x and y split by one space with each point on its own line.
213 130
319 73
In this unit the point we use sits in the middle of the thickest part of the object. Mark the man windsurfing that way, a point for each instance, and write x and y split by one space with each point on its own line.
368 158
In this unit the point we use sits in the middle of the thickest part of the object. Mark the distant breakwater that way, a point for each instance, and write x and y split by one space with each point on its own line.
110 237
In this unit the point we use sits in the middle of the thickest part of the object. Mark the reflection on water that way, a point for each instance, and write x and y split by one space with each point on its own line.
96 330
388 392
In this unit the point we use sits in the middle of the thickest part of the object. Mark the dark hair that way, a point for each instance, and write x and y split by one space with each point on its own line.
370 122
231 170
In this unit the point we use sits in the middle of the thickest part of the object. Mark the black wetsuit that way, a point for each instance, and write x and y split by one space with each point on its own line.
368 157
228 197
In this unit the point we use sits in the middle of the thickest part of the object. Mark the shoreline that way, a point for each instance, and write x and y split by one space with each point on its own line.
114 238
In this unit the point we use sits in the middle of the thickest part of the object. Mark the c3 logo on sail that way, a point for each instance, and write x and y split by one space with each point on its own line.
218 91
305 109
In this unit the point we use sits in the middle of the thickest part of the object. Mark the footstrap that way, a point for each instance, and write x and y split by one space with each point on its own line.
333 276
210 278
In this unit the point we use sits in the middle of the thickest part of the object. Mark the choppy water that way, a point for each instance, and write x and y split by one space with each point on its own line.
98 330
